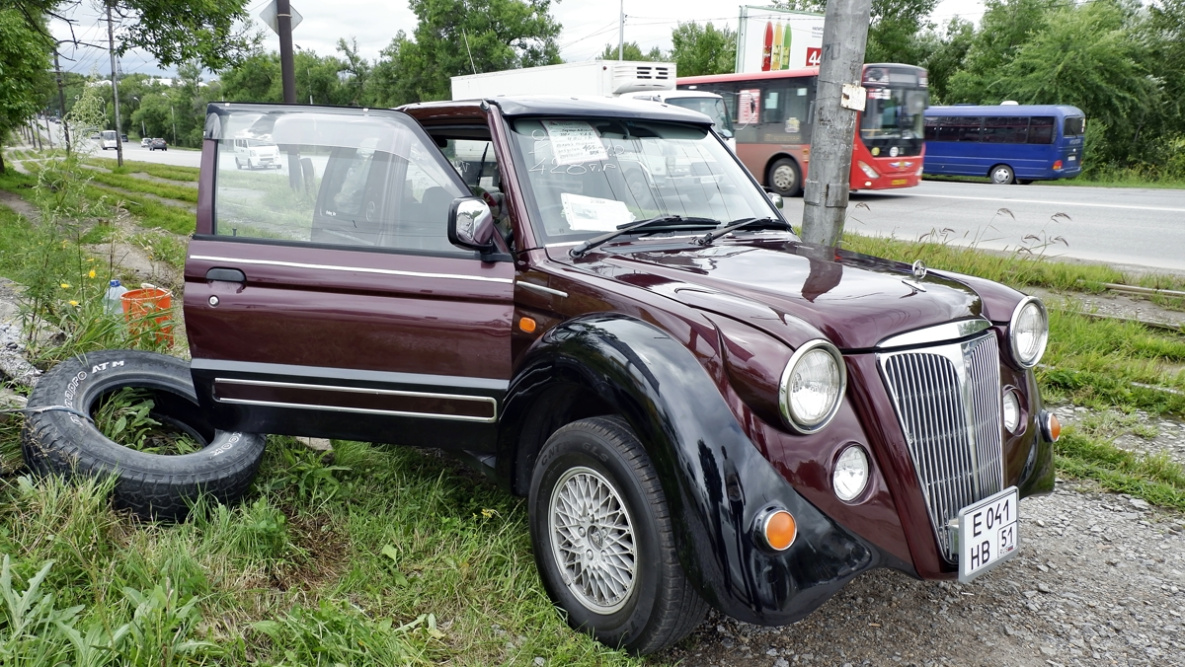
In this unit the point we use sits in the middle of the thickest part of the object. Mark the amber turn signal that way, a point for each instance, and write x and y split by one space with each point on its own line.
526 324
779 529
1054 428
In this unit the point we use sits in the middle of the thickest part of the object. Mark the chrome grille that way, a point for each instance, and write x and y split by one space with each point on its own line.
947 399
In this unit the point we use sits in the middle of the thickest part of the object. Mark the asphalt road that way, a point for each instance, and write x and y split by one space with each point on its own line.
173 156
1128 227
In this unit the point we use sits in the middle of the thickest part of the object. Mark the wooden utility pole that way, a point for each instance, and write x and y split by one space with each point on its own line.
287 68
114 85
845 31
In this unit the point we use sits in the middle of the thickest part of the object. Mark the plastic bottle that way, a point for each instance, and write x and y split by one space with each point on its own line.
113 299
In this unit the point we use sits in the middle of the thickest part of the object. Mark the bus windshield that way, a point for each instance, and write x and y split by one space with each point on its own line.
893 114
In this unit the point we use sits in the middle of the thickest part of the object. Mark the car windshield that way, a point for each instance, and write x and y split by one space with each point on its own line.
712 107
588 176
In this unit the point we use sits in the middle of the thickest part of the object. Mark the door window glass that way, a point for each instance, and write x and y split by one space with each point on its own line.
332 177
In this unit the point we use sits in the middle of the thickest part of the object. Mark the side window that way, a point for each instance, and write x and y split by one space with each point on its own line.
1006 130
1041 130
966 129
344 178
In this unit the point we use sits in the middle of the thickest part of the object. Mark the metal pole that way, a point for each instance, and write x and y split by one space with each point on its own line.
114 84
621 32
173 115
845 31
287 72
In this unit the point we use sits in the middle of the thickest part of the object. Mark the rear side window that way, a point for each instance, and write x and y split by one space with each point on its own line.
1075 126
332 177
1041 130
1005 130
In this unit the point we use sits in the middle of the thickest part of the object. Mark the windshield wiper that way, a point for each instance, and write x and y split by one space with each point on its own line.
756 223
661 223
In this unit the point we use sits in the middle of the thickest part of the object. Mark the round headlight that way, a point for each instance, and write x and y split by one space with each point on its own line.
1011 408
812 386
851 473
1029 332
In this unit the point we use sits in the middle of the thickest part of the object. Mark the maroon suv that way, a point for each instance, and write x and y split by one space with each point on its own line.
595 299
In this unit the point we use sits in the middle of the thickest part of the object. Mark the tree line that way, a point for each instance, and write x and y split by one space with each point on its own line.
1119 61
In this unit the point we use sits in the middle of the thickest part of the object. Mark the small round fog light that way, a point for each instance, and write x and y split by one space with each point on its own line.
851 473
1011 411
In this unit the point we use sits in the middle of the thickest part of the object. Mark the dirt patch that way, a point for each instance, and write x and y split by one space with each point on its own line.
128 258
18 204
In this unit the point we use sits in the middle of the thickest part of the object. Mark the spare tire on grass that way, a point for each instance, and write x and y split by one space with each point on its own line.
61 435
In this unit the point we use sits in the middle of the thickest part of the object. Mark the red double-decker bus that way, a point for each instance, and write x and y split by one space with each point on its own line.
773 115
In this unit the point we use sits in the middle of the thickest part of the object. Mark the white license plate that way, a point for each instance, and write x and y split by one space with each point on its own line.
1073 158
988 534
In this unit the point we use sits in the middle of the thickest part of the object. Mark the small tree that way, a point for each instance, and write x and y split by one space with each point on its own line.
24 60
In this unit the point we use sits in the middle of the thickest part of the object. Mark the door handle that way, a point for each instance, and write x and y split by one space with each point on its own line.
226 275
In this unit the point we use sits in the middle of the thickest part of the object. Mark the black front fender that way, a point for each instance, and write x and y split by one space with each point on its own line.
715 480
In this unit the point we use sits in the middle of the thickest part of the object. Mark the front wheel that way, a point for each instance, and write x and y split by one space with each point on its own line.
1002 174
603 539
785 178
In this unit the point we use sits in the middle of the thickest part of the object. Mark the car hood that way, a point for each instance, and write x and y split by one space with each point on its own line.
855 300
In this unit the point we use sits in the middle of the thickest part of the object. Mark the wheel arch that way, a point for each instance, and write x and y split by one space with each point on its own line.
715 480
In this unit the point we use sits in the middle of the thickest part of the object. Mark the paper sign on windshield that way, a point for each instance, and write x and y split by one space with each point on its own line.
574 142
593 214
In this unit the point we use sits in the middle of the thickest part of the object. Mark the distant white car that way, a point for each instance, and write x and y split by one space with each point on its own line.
255 153
146 142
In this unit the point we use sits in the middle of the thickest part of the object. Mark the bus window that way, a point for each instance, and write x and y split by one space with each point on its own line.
1074 126
1006 130
1041 130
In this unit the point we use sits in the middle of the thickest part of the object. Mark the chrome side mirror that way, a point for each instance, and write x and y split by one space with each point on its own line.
471 223
775 198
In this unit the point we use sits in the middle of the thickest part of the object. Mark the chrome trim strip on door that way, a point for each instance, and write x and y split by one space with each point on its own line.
541 288
359 390
349 269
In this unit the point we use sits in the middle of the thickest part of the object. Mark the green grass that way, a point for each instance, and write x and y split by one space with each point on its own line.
182 174
384 557
141 185
1155 478
148 213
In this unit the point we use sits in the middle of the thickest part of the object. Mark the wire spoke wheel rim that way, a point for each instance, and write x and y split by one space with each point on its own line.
592 540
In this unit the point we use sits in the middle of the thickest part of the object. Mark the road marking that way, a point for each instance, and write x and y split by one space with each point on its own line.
1052 203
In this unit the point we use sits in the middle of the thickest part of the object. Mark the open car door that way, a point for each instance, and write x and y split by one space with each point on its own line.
325 299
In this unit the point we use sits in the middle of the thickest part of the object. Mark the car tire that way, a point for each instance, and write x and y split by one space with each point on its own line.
59 438
633 594
238 165
785 178
1002 174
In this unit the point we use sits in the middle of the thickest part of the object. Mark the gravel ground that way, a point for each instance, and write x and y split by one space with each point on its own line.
1100 580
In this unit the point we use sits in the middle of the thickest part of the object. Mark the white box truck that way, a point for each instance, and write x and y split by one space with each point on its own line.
642 80
602 78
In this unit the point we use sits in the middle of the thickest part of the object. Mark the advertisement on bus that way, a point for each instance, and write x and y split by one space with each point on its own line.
776 39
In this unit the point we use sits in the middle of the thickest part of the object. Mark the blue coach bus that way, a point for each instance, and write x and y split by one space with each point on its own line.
1009 143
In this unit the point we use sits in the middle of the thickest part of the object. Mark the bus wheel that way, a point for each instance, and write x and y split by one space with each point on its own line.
1002 175
785 178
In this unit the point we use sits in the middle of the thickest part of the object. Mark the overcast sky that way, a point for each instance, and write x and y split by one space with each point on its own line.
588 25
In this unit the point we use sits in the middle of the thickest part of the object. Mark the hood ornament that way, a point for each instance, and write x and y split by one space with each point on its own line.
919 270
